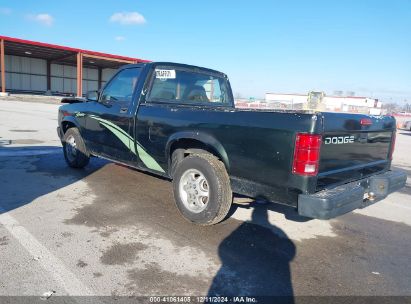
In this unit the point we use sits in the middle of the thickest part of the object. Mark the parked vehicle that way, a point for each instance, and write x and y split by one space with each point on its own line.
406 125
179 121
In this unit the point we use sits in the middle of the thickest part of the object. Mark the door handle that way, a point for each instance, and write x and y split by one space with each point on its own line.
123 110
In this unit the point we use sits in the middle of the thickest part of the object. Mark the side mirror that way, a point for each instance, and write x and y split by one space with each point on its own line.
92 95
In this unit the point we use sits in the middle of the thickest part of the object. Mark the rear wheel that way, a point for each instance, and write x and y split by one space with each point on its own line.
202 190
75 152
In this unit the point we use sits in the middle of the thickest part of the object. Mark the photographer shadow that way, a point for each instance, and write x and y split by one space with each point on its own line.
255 260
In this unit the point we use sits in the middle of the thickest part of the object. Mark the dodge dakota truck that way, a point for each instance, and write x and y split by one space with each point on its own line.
179 121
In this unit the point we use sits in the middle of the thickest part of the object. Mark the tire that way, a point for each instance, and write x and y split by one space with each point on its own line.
207 174
176 157
75 151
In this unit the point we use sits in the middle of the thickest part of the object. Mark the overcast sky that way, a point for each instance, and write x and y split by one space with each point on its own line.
263 46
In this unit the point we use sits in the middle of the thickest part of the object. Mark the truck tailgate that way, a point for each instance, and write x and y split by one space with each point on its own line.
353 146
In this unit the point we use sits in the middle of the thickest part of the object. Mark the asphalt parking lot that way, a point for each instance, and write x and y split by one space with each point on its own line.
111 230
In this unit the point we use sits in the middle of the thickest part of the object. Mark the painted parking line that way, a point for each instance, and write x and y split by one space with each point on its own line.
54 266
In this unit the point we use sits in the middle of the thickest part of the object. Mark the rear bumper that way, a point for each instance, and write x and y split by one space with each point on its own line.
330 203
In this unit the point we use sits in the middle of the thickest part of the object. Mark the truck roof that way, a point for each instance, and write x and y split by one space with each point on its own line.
174 64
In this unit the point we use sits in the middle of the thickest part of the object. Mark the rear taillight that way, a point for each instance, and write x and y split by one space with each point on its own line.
392 147
365 122
306 154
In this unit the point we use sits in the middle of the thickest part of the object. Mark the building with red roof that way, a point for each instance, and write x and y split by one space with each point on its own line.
37 67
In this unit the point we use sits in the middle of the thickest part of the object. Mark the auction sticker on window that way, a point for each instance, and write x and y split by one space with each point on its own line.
165 74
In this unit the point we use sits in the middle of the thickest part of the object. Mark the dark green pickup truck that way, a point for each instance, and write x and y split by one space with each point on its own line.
179 121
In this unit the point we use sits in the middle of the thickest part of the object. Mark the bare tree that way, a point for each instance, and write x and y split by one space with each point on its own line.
238 95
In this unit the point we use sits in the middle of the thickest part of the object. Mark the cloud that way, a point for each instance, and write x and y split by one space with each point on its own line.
5 11
128 18
119 38
44 19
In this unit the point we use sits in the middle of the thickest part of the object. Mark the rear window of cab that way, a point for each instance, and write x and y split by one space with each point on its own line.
173 85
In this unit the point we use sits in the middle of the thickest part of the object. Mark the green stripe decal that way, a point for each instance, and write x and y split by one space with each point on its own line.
120 136
147 159
127 140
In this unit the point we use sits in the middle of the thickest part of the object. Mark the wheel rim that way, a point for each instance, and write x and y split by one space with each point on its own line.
194 190
71 148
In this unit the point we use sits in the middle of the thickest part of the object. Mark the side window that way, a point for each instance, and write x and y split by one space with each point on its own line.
182 86
121 87
212 89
